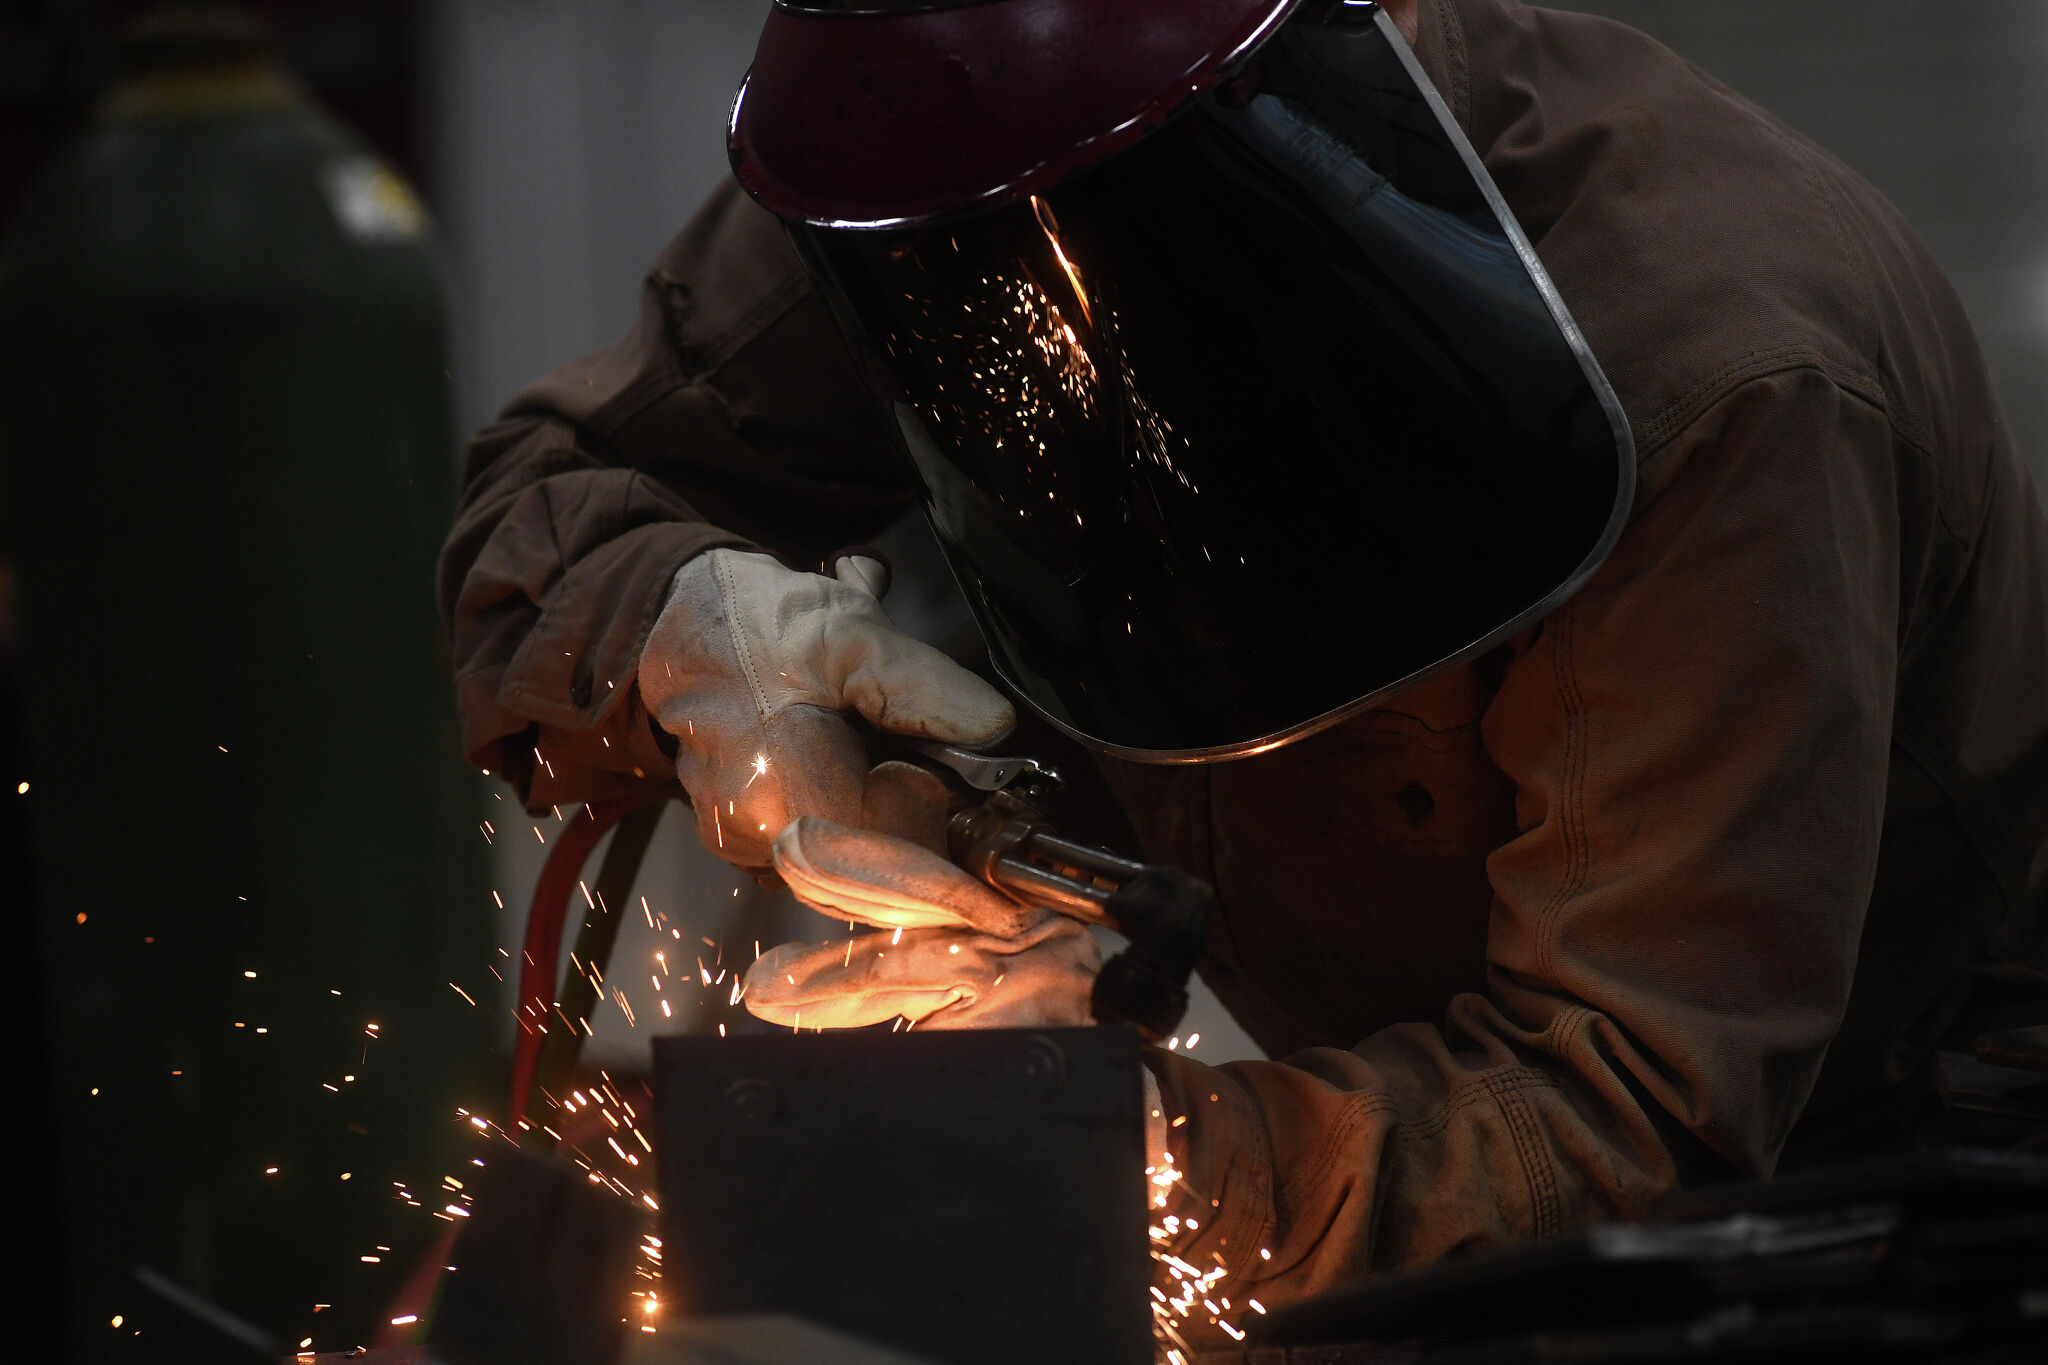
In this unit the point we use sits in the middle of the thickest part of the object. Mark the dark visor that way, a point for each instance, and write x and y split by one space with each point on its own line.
1263 419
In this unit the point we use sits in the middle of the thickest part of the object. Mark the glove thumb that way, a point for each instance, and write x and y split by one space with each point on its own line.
858 875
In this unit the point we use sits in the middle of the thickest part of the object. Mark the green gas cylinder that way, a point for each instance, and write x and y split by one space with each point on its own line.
262 889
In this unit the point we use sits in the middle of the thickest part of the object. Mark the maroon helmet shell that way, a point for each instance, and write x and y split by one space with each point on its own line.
1239 400
866 116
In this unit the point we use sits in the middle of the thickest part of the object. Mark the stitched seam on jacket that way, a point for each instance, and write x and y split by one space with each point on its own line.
1703 395
1902 421
1925 450
1365 1103
1456 62
1984 841
1872 387
743 329
1485 1086
1527 1133
721 567
756 320
1571 786
1337 1141
1659 431
641 393
650 387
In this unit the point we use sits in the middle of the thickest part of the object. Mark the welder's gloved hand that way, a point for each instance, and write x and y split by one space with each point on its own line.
934 978
966 955
871 878
750 665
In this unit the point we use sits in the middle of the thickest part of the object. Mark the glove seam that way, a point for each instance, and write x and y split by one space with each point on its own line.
1525 1130
728 592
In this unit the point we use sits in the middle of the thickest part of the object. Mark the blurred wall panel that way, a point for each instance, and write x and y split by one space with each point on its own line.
572 139
1943 107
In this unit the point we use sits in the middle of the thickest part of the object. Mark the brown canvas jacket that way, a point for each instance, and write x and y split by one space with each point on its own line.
1686 882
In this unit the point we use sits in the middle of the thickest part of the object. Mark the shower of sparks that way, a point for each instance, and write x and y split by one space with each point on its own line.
598 1127
1189 1289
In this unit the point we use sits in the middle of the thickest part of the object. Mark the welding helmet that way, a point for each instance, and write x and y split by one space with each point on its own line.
1238 399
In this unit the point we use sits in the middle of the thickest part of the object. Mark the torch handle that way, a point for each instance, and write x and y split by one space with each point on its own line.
1162 911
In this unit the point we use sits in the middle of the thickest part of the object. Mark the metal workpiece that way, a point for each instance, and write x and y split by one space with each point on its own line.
1928 1258
962 1196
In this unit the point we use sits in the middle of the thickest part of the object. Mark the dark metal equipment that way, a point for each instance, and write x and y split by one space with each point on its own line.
975 1196
1941 1258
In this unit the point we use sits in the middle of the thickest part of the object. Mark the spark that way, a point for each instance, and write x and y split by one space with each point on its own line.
760 771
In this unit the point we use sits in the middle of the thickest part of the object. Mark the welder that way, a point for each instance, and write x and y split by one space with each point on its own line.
1530 529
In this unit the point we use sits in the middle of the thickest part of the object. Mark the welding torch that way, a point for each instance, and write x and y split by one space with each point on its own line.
1007 840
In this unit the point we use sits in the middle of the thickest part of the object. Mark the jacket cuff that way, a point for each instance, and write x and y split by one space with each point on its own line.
1219 1214
582 656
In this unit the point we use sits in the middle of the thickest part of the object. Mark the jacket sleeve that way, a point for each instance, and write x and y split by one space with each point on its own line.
730 415
1699 743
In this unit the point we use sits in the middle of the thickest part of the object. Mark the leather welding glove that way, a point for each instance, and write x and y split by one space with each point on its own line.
958 953
750 666
934 978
